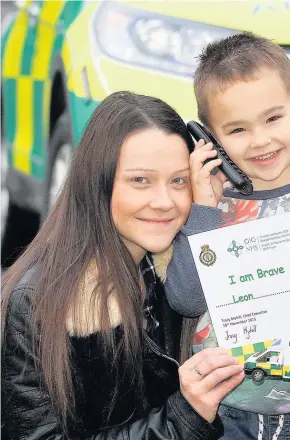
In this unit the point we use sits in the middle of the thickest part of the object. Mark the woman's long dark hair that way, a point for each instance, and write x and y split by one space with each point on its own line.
80 230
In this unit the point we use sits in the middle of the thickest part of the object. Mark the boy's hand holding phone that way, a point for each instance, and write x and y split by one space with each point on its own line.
207 189
211 194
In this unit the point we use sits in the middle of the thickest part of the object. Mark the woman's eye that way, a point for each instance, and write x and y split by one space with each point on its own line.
180 180
273 119
140 180
237 130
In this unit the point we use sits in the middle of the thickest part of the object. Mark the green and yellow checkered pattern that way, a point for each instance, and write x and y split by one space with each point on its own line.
271 369
244 352
28 51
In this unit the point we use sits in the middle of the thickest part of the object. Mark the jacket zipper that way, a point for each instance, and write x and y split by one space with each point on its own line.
155 347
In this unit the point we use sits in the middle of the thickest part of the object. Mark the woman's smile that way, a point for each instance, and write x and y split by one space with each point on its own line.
157 221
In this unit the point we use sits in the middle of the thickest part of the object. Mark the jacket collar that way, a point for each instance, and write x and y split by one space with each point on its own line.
84 318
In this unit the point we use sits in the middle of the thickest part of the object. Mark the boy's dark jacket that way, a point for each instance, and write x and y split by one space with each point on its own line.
163 413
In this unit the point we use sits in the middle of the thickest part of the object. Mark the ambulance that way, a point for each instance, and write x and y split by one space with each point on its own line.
272 362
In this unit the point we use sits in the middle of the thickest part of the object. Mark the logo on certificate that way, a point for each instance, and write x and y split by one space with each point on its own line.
235 248
207 256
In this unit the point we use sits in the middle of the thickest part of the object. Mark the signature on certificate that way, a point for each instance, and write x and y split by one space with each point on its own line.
247 331
233 337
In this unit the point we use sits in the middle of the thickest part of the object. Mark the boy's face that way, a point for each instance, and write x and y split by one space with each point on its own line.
251 119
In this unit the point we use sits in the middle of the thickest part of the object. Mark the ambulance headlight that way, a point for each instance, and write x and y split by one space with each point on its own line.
150 40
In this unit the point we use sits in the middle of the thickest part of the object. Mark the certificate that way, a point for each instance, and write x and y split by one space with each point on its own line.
244 271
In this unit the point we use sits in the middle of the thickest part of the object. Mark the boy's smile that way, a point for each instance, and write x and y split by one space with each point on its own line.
251 119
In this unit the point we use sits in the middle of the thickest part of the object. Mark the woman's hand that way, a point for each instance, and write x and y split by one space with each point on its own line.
207 377
207 189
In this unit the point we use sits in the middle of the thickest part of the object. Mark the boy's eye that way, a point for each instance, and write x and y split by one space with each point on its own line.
273 118
140 180
237 130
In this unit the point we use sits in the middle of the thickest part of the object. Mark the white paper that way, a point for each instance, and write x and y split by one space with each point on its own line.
245 275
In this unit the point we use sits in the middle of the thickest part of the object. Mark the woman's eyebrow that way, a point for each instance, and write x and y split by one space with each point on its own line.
155 171
184 169
140 169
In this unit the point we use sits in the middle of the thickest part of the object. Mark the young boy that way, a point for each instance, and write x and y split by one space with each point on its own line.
242 86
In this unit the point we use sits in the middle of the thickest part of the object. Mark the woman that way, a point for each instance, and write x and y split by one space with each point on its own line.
80 358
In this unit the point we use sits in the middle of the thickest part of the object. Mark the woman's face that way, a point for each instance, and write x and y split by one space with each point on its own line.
152 194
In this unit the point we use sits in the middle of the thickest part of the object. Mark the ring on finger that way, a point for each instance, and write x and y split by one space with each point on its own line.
197 370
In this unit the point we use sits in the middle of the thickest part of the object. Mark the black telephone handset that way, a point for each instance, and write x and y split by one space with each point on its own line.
233 173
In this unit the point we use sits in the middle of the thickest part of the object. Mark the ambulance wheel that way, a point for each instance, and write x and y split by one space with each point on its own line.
258 375
59 157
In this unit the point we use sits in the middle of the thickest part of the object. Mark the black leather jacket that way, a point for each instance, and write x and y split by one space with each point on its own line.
161 414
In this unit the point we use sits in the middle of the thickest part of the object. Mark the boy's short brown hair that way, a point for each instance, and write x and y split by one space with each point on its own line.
235 58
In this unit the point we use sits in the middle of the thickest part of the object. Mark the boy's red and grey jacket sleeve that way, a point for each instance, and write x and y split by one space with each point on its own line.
182 286
28 413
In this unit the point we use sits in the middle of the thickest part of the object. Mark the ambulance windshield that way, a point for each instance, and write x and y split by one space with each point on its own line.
259 353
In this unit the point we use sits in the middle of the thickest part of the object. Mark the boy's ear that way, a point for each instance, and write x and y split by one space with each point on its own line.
161 261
